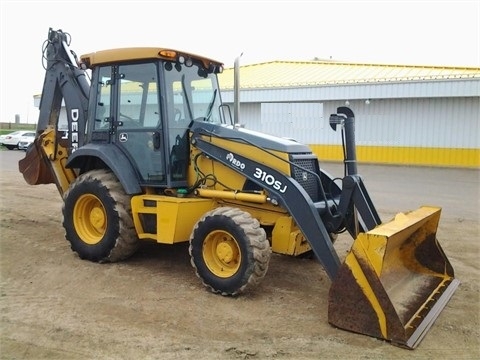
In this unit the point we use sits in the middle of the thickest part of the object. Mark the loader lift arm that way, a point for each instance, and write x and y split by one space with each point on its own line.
293 197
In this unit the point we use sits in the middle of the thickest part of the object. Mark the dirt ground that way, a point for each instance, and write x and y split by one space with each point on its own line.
54 305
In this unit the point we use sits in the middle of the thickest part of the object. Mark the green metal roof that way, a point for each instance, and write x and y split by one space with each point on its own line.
277 74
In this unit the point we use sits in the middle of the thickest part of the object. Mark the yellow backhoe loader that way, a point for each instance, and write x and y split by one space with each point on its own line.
149 152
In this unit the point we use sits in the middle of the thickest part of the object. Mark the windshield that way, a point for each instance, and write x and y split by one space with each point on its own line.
193 92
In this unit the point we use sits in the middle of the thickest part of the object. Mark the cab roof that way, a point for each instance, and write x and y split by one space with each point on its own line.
141 53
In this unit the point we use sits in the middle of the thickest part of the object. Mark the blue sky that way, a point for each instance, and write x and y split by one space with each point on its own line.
445 33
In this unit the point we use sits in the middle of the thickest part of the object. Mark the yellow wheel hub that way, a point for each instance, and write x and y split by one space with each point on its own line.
221 254
90 219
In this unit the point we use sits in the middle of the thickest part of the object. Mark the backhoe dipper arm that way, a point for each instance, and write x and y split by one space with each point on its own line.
45 160
64 80
286 191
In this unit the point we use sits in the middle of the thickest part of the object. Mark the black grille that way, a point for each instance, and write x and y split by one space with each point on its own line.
149 223
306 179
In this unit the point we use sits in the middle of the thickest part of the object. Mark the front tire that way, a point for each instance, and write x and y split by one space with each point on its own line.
229 251
97 218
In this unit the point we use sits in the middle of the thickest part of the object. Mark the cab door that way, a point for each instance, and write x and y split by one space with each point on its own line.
136 122
127 114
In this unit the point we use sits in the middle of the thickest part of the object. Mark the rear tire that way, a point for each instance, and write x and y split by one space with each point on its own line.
97 218
229 251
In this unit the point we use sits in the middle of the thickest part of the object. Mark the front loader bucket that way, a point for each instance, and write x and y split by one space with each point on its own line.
34 166
395 280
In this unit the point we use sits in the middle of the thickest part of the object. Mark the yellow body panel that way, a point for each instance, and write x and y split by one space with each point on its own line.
287 239
173 218
57 155
229 178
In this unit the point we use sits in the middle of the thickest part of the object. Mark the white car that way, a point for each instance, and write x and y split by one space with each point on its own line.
25 141
10 141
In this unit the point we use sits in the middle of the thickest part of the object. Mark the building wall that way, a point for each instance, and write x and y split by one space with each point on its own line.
421 123
442 131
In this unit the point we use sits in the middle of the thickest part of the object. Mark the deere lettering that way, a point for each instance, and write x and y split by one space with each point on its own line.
74 114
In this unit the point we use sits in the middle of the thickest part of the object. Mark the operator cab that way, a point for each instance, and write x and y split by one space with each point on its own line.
145 108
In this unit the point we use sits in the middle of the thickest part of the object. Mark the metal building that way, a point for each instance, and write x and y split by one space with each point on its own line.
416 115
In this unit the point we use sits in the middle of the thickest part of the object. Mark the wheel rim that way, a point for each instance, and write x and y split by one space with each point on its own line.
221 254
90 219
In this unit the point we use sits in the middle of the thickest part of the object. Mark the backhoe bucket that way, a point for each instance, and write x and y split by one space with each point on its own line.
34 167
395 280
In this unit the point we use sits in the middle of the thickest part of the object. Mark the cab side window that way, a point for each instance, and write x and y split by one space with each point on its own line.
104 93
138 96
